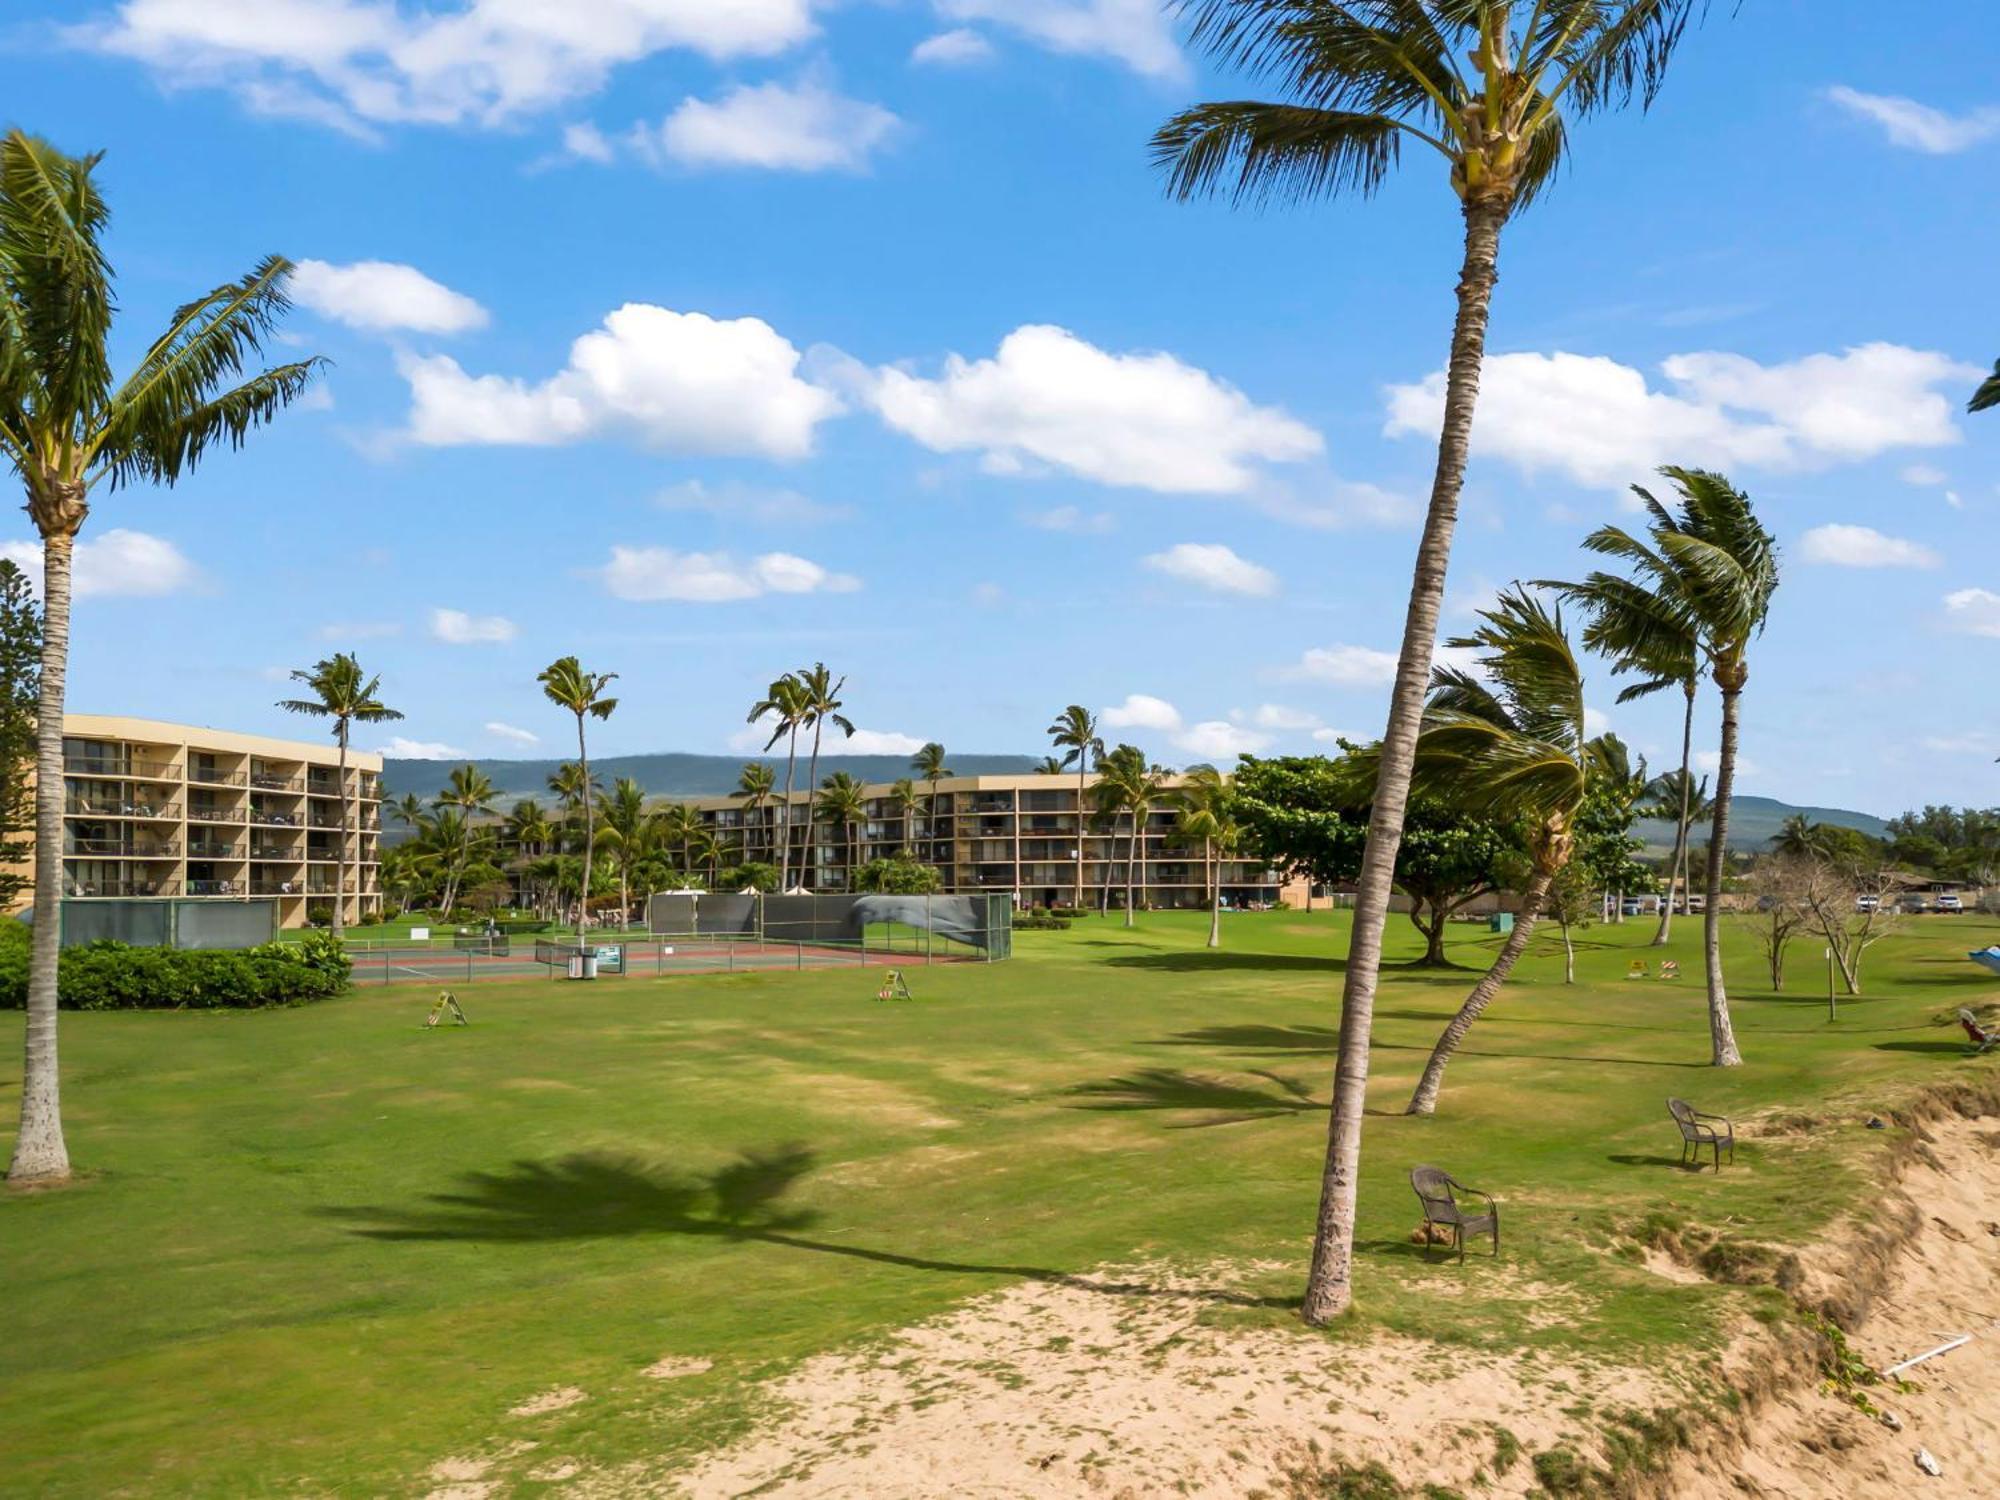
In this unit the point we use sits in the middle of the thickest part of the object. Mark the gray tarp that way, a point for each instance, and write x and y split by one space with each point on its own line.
963 919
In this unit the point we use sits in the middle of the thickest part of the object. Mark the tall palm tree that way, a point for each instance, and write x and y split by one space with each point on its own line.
529 829
341 693
409 810
1514 750
843 803
1681 798
676 825
822 705
785 704
574 789
468 792
1364 77
66 426
1205 820
1050 765
929 764
1129 786
906 799
623 816
1649 637
1712 565
1798 837
1075 733
566 684
754 786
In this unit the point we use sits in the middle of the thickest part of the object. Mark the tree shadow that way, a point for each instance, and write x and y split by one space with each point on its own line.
1324 1041
1228 1103
1206 960
1949 1048
595 1195
1627 1159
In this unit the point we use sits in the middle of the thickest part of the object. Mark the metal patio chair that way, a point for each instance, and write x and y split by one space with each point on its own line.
1699 1130
1437 1190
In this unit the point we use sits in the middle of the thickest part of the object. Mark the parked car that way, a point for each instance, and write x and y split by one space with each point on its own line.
1867 903
1949 904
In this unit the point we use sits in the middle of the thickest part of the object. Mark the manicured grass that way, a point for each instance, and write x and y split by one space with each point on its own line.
315 1251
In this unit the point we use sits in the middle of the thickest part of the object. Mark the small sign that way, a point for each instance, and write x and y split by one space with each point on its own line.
420 934
610 953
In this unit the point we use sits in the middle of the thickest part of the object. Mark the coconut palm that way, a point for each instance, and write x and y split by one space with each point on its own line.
785 704
1798 837
66 427
410 811
1712 564
1511 748
1988 394
754 786
1205 820
1649 637
1050 765
1127 785
1075 734
341 693
822 707
623 815
676 825
1487 85
468 791
1680 798
929 765
529 829
906 799
843 803
566 684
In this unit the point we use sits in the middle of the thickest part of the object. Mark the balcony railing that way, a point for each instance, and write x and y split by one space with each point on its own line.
214 887
277 888
206 776
323 856
319 819
119 807
120 766
120 849
203 849
121 888
271 781
265 817
215 815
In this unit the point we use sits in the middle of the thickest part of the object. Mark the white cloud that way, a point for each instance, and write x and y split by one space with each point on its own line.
1326 503
652 574
1711 760
359 630
1973 612
1919 127
1137 33
457 628
874 742
684 382
953 48
1595 722
117 564
353 64
1343 666
399 748
1975 742
1335 736
1142 711
1217 739
988 595
1072 520
799 127
1924 474
1211 565
381 295
1954 500
585 142
1598 422
1048 397
1278 716
509 732
736 502
1864 547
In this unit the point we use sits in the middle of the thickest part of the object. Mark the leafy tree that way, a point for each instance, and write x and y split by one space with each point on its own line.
1606 847
626 822
341 692
566 684
1074 732
66 428
1679 798
899 875
1486 84
20 694
786 704
753 875
1950 843
1711 564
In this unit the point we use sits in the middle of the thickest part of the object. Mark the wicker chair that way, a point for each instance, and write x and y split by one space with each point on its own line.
1438 1192
1699 1130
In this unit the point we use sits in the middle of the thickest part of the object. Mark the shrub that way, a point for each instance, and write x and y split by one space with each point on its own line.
319 916
898 875
114 976
369 919
1038 920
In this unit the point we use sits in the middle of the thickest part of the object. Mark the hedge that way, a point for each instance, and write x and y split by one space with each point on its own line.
116 976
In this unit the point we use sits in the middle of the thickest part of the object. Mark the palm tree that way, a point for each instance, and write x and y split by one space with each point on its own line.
65 428
574 789
469 792
623 816
1365 77
1650 637
784 703
929 765
1713 566
1075 732
822 707
409 810
906 799
567 685
1205 820
755 786
843 803
1127 785
528 828
676 825
1798 837
1050 765
342 694
1511 751
1988 394
1680 798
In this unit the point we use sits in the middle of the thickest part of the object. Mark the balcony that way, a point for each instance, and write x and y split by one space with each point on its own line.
119 807
209 777
120 888
119 849
120 767
265 817
323 856
205 849
318 819
215 815
271 781
277 888
273 851
215 888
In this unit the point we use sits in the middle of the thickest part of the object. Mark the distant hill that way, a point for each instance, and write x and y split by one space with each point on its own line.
672 775
1754 822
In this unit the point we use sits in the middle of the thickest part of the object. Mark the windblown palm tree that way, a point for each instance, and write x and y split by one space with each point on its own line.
1798 837
566 684
468 792
342 694
675 826
929 765
66 427
1126 783
529 829
623 816
754 786
785 704
822 707
1486 85
1206 821
409 810
1715 567
1075 734
906 799
843 803
1988 394
1512 750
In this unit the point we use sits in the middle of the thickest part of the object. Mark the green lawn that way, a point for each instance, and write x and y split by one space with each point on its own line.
313 1251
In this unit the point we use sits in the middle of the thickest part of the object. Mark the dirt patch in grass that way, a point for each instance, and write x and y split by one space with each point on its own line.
559 1399
674 1367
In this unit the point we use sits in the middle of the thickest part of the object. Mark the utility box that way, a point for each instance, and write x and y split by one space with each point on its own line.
1500 921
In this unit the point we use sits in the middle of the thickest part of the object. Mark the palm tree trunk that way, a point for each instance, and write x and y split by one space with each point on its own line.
1569 954
1213 870
1131 868
39 1152
812 839
1722 1035
340 849
785 813
1424 1100
1329 1284
589 829
1082 765
1681 825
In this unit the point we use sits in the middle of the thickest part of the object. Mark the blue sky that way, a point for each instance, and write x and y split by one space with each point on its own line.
705 338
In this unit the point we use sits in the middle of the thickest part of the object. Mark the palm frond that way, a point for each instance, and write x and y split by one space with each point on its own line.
1260 152
56 285
162 454
1988 394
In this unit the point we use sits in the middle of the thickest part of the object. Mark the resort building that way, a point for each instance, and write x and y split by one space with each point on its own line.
996 833
155 810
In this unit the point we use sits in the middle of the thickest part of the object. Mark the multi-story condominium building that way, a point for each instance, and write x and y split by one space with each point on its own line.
169 810
984 833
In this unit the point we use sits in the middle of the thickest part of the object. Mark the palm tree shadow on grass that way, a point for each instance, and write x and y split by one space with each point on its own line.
1323 1040
597 1195
1228 1103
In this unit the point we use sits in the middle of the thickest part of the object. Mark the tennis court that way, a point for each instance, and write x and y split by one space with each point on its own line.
655 956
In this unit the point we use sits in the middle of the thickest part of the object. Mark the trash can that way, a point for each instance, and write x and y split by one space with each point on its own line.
583 965
1500 921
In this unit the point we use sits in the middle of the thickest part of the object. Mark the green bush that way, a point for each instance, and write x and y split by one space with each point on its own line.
319 916
898 875
114 976
369 919
1036 919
